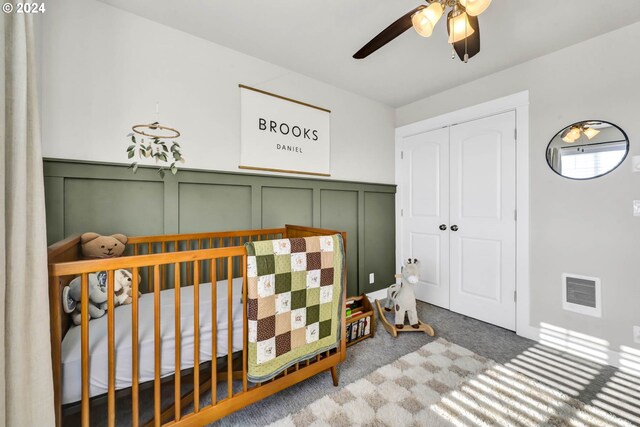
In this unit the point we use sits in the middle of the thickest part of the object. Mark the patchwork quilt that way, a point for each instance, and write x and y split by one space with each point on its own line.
294 294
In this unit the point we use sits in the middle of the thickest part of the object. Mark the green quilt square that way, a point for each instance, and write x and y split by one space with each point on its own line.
325 328
313 296
326 310
313 314
298 299
264 247
283 283
250 249
283 263
298 280
266 264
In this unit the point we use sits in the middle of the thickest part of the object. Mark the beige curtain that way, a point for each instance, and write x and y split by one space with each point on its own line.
26 387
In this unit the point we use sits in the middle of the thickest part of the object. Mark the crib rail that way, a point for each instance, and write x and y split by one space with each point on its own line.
181 260
173 243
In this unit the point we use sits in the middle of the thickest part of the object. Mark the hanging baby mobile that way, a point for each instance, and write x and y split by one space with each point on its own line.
155 141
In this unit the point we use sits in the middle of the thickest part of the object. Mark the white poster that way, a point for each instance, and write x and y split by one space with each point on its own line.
283 135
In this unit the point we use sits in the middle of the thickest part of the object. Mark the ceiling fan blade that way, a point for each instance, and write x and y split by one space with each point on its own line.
472 42
388 34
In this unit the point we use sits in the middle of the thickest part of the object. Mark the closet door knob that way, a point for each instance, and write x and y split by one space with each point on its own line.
454 228
442 227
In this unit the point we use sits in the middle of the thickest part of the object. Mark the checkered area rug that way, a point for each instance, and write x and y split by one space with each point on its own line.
443 384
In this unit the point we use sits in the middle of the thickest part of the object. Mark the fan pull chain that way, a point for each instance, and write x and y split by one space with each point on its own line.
466 55
466 37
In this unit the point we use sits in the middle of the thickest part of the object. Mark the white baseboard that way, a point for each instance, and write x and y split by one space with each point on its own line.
380 294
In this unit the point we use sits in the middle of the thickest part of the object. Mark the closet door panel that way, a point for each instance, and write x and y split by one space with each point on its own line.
482 192
424 199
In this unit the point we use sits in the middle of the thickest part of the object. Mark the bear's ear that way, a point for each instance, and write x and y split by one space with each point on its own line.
87 237
120 238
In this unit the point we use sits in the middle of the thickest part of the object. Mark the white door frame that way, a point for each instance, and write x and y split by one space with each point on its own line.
518 102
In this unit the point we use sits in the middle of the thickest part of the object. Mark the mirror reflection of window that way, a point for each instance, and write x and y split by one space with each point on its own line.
588 149
587 162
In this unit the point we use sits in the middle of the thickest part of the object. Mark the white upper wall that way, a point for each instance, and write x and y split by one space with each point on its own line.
580 227
103 70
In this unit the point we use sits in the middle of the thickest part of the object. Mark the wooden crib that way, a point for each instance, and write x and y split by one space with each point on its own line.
171 263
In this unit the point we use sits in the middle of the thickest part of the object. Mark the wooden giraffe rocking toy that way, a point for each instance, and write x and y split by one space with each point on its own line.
402 299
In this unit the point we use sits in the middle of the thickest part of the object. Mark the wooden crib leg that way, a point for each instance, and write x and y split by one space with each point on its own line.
334 375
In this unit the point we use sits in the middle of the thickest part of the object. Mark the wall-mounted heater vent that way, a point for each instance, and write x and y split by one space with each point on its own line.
581 294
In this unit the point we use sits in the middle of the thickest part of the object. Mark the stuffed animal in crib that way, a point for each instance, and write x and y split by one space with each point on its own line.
98 296
125 279
96 246
402 297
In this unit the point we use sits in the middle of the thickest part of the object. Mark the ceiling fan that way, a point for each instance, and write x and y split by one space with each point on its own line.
462 26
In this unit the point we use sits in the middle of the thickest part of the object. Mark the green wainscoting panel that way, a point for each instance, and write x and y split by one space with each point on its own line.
286 206
54 205
339 211
206 207
113 206
379 240
109 198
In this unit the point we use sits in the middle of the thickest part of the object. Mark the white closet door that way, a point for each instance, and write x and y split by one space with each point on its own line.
483 203
424 193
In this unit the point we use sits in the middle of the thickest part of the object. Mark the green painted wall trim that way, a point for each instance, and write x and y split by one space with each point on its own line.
109 198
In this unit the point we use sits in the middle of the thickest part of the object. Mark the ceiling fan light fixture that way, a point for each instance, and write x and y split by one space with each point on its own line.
422 24
434 12
459 27
424 20
572 135
590 132
475 7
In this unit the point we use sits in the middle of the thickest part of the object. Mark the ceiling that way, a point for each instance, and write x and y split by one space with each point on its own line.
317 38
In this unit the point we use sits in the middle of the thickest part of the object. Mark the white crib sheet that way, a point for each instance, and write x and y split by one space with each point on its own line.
98 368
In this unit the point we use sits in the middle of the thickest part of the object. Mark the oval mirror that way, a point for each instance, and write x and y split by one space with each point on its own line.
587 150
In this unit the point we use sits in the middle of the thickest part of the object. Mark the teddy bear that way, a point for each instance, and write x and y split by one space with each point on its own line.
96 246
98 296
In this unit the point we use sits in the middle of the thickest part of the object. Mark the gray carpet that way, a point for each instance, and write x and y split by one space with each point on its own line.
484 339
443 384
367 356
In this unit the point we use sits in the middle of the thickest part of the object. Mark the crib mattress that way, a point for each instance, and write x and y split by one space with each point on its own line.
98 367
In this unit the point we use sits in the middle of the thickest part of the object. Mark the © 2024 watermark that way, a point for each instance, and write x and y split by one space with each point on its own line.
20 7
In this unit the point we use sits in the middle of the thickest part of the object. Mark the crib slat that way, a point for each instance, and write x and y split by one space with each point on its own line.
230 327
214 331
163 268
84 322
134 349
189 276
244 322
156 316
111 396
176 394
195 274
149 269
196 335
